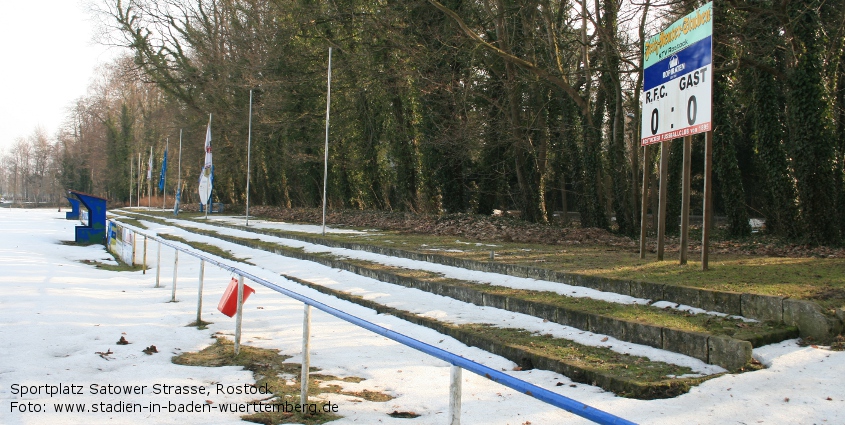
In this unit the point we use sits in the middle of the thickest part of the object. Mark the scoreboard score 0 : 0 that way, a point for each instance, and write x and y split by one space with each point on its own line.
678 108
677 79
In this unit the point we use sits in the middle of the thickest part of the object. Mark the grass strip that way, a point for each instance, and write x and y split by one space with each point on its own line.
202 246
272 371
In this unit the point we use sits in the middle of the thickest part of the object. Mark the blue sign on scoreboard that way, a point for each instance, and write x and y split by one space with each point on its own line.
677 79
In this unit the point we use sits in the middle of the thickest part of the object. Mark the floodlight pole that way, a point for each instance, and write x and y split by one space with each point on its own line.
326 159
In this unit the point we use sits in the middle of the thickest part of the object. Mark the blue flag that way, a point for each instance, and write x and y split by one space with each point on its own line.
163 171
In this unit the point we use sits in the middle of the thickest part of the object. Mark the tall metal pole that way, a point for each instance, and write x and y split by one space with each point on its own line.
149 179
139 179
164 172
208 201
326 161
131 177
179 177
248 154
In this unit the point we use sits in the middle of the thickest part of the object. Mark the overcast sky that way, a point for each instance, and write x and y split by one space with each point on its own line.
49 57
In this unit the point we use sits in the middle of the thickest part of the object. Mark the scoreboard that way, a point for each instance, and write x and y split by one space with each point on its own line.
677 79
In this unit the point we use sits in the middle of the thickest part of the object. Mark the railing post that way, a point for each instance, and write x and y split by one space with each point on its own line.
199 293
455 396
145 255
240 315
306 356
175 269
158 266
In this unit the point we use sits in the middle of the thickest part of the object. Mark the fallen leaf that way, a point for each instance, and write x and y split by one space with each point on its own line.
604 339
123 341
104 354
150 350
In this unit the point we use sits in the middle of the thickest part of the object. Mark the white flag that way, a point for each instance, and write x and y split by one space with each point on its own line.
150 165
206 181
208 144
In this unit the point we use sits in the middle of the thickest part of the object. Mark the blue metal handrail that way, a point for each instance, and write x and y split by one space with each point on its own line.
542 394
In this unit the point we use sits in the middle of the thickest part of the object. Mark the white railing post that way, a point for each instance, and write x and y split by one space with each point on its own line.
145 255
455 396
240 315
158 266
199 293
175 269
306 356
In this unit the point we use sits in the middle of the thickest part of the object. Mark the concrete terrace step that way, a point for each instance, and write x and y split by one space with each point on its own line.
806 316
725 351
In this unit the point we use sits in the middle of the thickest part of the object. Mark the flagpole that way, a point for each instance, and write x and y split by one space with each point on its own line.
326 159
208 201
164 173
248 153
149 178
131 177
179 177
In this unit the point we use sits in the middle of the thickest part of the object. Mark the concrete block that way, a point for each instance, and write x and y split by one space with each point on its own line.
762 307
472 296
681 295
574 318
608 326
546 311
731 354
587 282
496 301
612 285
810 319
521 306
693 344
640 333
721 301
647 290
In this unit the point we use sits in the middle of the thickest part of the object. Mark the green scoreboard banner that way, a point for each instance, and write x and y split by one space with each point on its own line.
677 79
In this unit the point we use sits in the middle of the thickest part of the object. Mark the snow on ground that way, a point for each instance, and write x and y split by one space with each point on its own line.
56 313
